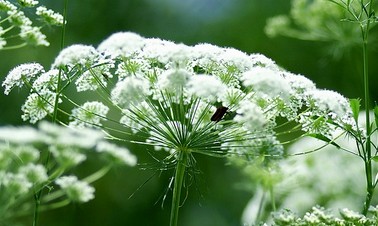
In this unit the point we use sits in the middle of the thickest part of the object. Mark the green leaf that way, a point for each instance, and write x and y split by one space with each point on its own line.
323 138
376 115
375 158
355 106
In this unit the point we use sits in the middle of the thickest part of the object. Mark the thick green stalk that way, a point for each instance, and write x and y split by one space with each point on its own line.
370 184
179 179
367 159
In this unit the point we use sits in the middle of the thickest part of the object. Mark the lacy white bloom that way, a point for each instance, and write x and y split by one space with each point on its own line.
26 153
18 18
82 55
260 60
28 3
48 80
7 6
20 135
352 215
251 116
173 80
49 16
33 36
329 102
36 174
166 52
311 218
268 82
18 76
207 87
299 83
15 155
17 184
84 138
129 91
93 79
38 106
67 156
76 191
235 57
89 114
117 154
205 54
122 44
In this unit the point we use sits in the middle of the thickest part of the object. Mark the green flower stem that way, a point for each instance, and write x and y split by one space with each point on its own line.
98 174
272 197
367 158
37 196
179 179
37 199
15 46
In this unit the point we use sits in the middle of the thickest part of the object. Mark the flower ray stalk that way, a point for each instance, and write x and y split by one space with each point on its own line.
178 183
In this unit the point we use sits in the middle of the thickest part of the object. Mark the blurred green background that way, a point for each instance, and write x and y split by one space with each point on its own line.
214 198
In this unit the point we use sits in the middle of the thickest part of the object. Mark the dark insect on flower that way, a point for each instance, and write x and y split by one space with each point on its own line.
219 113
106 75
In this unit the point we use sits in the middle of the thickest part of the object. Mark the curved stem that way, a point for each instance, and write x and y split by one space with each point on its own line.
179 179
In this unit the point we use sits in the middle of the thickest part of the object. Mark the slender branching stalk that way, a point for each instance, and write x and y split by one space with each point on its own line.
179 180
367 155
38 194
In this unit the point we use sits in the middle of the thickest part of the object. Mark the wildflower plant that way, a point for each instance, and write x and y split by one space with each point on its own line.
322 21
35 160
313 23
320 216
179 100
17 28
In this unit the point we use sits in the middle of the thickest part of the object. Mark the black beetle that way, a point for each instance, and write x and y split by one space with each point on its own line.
219 113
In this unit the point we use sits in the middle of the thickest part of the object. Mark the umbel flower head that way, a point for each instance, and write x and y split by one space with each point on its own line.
17 28
167 94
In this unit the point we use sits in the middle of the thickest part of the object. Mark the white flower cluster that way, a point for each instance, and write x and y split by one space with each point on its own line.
316 177
153 82
77 191
14 16
23 169
49 16
320 216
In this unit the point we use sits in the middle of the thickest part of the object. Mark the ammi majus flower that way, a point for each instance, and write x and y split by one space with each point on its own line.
162 94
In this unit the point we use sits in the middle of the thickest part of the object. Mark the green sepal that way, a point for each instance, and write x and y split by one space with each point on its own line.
355 106
376 115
